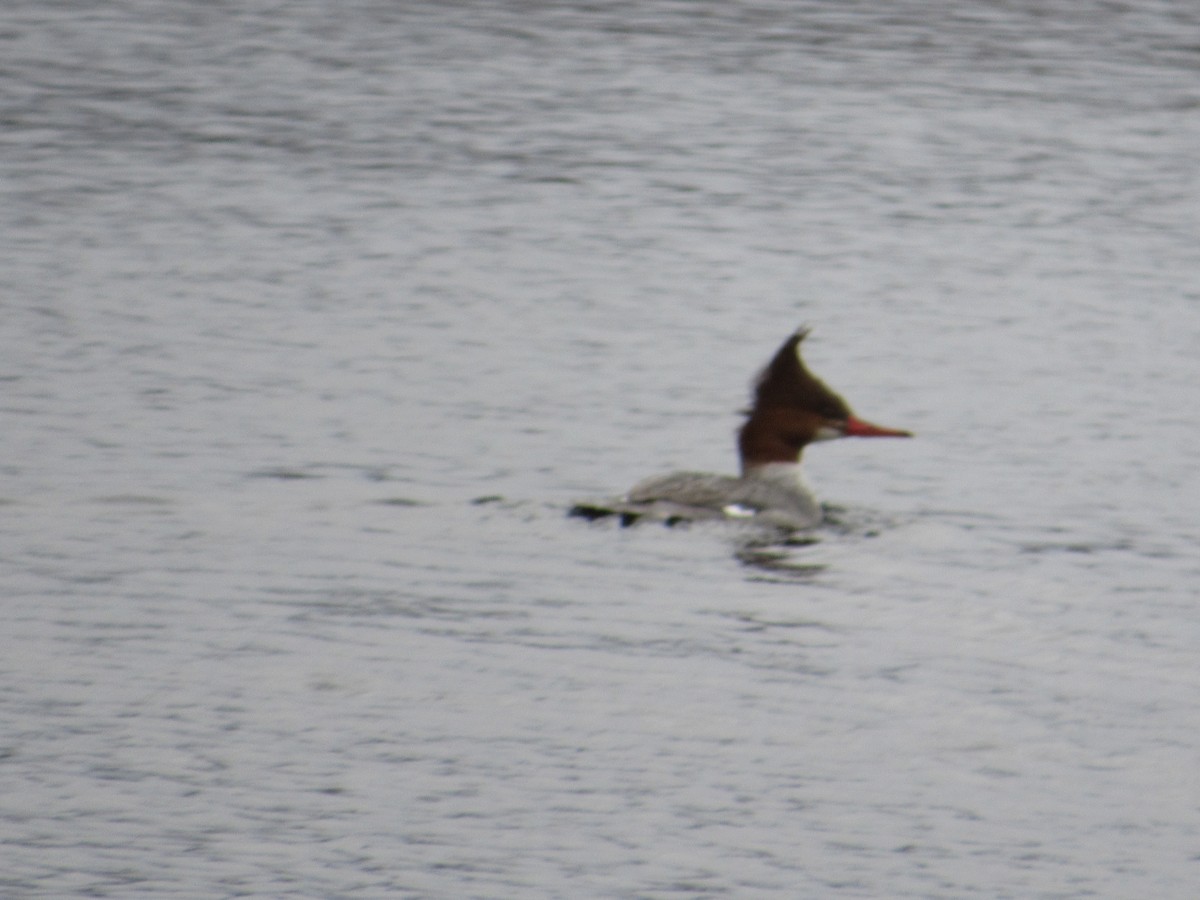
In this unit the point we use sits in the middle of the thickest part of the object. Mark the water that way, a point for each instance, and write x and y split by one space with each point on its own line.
318 317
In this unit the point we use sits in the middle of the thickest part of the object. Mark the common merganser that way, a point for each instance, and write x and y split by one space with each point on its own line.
792 408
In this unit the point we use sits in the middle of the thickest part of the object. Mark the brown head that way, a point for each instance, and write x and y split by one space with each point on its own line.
793 408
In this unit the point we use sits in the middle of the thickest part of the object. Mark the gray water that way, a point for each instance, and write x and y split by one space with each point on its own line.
318 317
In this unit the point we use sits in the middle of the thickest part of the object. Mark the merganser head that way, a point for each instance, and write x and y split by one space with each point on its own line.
793 408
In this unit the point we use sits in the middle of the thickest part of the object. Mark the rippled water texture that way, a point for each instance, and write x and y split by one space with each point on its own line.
318 317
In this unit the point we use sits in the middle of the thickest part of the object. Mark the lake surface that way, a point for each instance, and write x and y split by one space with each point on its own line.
317 318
